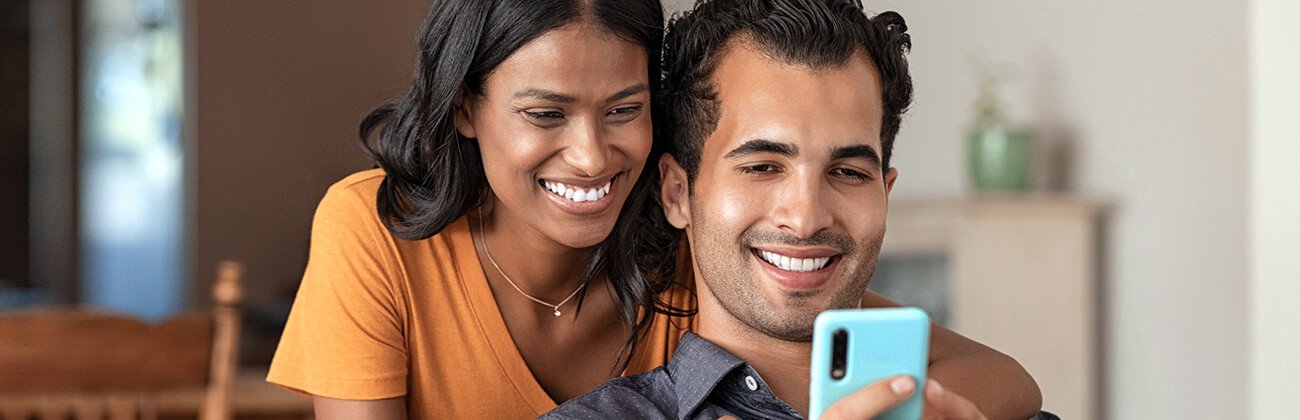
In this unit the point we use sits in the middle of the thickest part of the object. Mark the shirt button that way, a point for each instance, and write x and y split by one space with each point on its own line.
751 383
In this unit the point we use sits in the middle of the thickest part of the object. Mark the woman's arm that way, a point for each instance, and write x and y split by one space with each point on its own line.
995 382
344 337
385 409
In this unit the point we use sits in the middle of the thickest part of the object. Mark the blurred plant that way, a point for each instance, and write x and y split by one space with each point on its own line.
988 104
998 154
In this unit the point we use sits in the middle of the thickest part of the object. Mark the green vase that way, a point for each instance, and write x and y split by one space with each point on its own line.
998 159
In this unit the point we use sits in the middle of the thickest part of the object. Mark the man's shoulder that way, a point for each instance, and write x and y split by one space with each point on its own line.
647 395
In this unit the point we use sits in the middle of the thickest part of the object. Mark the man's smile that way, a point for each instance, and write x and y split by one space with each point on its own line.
795 263
797 269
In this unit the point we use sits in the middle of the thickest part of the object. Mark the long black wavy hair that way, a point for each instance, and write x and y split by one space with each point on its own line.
435 175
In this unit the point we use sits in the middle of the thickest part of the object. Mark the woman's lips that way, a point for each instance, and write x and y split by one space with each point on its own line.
581 199
578 194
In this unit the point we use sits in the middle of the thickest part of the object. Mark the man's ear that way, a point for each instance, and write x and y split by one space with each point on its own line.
890 177
462 111
674 192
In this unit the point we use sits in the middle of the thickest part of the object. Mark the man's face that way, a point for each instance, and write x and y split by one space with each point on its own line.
787 213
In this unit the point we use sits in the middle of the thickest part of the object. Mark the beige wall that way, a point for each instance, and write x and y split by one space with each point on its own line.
1152 98
280 87
1275 230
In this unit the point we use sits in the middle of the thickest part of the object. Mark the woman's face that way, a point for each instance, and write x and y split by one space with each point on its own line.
564 128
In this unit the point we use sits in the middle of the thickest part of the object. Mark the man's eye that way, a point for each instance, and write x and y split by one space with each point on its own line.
850 173
762 168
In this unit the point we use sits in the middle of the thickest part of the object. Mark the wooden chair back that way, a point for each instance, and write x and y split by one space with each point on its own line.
62 362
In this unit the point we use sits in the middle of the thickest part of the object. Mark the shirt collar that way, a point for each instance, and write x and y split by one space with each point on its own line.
696 368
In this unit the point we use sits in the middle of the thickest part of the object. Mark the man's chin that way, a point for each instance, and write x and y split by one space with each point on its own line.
789 315
792 325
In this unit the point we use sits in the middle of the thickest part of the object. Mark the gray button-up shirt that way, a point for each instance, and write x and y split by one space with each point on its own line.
702 381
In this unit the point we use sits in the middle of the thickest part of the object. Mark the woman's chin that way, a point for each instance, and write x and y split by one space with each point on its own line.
584 236
582 241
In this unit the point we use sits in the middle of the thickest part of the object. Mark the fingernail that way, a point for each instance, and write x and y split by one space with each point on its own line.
938 389
902 385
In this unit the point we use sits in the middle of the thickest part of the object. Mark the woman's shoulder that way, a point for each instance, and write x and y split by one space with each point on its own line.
350 207
358 185
367 179
352 200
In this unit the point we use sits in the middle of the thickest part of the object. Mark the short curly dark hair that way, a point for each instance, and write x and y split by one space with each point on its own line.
820 34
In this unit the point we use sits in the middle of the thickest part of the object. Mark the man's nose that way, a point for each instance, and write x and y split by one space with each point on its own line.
800 207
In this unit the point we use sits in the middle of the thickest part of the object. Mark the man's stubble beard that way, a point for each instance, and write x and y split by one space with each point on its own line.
726 268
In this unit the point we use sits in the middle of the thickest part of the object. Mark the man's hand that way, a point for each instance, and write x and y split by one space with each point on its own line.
941 404
882 395
872 399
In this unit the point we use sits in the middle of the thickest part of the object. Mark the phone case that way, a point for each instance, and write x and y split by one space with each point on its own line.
881 343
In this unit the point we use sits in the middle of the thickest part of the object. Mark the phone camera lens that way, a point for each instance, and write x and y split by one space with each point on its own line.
839 353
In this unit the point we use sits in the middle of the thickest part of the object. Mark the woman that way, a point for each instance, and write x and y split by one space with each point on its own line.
483 271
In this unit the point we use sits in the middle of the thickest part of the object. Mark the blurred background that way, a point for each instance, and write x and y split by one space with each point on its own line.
1122 174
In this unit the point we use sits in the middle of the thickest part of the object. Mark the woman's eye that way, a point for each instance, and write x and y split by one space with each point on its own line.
544 115
626 113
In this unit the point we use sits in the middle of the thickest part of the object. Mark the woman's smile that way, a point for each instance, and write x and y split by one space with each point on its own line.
581 197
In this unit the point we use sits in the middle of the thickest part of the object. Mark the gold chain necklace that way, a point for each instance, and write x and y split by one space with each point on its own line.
487 251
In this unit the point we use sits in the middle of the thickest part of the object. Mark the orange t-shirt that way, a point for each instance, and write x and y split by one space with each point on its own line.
379 317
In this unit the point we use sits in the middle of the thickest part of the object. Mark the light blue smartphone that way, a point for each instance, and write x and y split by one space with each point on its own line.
853 348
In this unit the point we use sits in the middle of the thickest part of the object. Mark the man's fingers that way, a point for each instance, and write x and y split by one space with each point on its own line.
949 406
872 399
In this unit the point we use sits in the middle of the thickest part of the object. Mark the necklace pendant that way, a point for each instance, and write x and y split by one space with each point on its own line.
557 313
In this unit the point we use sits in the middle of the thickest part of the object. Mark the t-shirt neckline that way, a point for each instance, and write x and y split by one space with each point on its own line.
493 326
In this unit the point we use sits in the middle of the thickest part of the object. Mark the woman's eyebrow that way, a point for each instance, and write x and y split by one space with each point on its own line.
629 91
554 96
549 95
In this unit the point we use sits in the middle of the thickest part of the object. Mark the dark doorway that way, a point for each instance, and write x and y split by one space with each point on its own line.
15 171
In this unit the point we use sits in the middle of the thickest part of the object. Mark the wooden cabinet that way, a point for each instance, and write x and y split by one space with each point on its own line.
1023 278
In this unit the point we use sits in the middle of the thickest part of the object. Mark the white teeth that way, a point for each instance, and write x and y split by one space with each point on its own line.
578 195
555 188
799 265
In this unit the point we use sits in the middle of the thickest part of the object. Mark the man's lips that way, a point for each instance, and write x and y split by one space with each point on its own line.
797 260
797 269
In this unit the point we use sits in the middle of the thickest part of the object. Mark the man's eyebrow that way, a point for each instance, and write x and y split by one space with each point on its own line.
857 152
631 90
757 146
546 95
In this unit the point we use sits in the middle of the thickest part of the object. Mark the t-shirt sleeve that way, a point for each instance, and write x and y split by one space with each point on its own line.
345 334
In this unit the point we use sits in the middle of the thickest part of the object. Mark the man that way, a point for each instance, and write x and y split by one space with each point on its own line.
783 117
